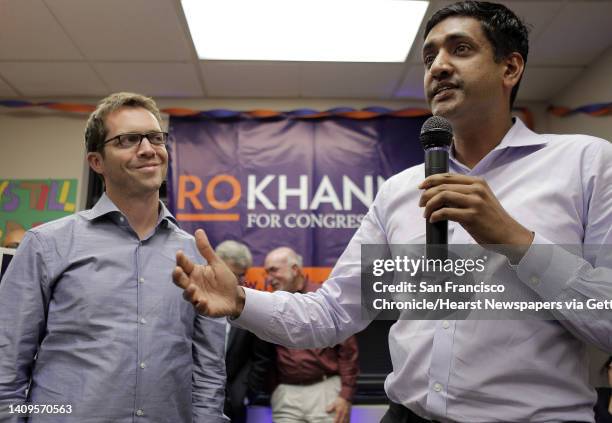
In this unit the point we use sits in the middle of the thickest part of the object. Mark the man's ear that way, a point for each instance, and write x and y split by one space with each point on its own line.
295 269
96 162
514 67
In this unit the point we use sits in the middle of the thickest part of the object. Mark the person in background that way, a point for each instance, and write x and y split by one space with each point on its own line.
247 359
14 236
316 385
89 296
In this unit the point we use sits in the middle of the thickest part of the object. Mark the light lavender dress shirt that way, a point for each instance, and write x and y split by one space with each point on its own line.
480 370
112 334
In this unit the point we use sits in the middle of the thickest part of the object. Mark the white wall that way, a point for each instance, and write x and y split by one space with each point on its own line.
592 86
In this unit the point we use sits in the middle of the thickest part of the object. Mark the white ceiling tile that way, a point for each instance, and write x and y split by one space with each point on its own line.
153 79
28 31
412 85
124 30
42 79
577 35
41 42
350 80
543 83
250 79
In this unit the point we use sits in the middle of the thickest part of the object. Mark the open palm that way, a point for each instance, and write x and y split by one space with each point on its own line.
212 289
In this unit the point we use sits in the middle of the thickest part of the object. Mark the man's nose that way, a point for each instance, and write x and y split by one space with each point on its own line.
441 67
146 148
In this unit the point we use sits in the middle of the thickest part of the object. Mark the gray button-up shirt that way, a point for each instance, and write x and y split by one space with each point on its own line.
111 333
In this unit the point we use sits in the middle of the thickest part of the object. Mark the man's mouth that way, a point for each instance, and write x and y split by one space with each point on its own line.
146 167
442 90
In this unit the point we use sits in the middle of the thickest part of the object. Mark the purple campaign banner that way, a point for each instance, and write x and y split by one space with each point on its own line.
284 182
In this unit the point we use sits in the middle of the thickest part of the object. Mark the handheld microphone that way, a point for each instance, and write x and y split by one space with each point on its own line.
436 137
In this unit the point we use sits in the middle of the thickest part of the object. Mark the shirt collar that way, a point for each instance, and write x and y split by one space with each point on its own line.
520 136
517 136
165 215
105 206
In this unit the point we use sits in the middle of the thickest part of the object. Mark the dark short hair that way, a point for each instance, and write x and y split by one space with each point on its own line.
95 132
504 30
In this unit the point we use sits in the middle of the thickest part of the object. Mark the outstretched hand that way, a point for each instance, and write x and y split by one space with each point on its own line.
212 288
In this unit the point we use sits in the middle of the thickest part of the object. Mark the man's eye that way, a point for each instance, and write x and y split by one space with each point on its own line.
428 60
131 138
156 138
462 48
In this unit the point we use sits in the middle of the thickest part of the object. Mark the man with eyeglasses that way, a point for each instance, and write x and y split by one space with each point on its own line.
89 296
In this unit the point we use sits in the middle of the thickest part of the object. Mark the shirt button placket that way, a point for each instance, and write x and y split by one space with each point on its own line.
440 367
140 322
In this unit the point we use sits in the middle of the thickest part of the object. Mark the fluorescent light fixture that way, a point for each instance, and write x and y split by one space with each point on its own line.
302 30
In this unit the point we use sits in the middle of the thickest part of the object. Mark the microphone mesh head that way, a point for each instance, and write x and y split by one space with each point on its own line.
436 132
436 123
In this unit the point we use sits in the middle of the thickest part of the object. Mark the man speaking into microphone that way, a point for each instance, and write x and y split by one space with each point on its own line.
506 185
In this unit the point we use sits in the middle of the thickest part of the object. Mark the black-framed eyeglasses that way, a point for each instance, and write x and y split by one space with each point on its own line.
132 140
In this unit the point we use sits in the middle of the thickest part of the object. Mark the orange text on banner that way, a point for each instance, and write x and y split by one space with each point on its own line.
190 186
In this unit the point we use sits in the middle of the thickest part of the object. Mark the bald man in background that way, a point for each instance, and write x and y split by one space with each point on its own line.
309 378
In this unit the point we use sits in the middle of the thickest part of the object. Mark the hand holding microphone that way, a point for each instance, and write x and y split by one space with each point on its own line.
436 137
464 199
